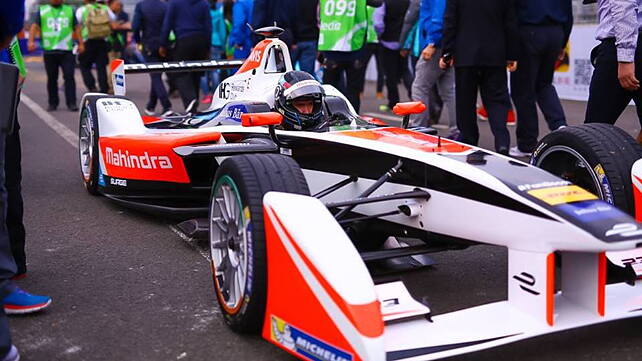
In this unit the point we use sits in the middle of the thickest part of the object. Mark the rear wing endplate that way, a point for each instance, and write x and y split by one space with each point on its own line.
119 69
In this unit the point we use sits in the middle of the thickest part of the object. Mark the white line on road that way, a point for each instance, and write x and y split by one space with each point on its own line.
191 242
53 123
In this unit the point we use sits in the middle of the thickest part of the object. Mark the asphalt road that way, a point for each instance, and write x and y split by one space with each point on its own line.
125 287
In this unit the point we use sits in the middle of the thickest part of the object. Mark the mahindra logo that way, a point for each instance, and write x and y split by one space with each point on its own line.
144 161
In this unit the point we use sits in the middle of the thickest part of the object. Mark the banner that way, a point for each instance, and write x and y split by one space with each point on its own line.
573 74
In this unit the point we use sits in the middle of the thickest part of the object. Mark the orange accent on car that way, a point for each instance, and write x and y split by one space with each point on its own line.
550 288
409 139
254 60
115 64
291 298
601 283
409 108
374 121
259 119
149 157
150 119
637 198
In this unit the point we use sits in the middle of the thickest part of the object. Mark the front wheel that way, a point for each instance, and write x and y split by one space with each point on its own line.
597 157
237 235
88 145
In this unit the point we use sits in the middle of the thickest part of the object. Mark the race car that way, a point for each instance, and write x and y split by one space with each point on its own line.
294 216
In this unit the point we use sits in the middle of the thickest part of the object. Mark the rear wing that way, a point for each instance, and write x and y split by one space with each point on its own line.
119 69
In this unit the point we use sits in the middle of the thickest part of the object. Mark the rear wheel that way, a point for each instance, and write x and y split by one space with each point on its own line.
237 235
88 145
597 157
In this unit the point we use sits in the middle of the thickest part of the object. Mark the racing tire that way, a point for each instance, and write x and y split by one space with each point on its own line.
237 234
598 157
88 151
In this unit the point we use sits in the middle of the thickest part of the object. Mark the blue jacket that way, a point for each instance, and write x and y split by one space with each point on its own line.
541 12
12 16
431 22
219 30
147 23
242 15
186 18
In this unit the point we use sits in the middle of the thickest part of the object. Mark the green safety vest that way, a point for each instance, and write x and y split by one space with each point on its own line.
57 25
371 37
343 25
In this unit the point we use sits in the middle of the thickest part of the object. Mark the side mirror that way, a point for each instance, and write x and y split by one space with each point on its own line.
259 119
405 109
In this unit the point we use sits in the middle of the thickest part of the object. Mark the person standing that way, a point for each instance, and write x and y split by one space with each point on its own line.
212 78
427 71
306 35
341 39
192 25
480 40
56 24
388 21
240 36
544 29
118 38
97 21
617 61
146 28
282 12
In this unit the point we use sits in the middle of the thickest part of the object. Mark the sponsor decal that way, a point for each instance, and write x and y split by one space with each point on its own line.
528 187
114 106
144 161
120 79
229 91
604 183
250 255
118 182
101 178
526 281
235 111
536 152
590 211
304 344
255 56
624 230
560 195
286 151
299 85
181 65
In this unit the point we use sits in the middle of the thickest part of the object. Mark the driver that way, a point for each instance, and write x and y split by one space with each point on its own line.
299 98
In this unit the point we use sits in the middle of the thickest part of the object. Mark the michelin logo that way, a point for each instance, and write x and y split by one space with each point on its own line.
300 342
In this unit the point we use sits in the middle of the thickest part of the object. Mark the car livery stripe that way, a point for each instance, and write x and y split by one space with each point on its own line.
409 139
601 283
359 315
403 354
550 288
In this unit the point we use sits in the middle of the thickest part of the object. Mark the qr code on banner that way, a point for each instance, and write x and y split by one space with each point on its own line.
583 71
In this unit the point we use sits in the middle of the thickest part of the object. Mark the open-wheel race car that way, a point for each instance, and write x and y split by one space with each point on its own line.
293 218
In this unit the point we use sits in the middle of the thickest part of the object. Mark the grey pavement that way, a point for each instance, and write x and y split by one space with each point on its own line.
125 287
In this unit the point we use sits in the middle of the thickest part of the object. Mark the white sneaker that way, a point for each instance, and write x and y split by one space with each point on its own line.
561 127
515 152
167 113
150 112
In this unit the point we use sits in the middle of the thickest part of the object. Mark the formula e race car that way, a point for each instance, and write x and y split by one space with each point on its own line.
293 218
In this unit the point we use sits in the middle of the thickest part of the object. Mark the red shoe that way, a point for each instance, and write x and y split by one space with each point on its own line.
206 99
482 114
19 276
511 119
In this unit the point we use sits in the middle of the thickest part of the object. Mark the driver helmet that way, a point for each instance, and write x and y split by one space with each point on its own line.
299 98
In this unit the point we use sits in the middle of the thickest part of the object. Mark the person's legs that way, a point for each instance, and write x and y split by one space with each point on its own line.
353 72
51 67
367 55
547 98
522 89
102 60
86 61
381 78
68 68
308 56
446 86
420 91
391 65
15 207
466 85
494 93
607 98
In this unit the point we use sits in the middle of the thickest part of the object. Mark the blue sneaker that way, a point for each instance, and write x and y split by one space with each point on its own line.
13 354
20 302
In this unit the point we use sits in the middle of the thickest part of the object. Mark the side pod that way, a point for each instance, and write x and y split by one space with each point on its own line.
321 300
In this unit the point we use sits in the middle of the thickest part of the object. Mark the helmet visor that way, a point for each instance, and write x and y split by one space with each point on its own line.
303 88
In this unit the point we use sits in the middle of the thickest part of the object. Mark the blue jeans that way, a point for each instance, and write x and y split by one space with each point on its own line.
157 90
305 53
211 79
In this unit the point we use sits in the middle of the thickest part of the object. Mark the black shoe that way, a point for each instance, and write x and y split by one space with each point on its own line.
503 150
52 108
73 108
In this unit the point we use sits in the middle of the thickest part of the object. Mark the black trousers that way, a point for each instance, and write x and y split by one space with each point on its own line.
15 207
66 62
372 49
195 47
532 82
607 98
332 75
157 89
95 53
492 83
395 68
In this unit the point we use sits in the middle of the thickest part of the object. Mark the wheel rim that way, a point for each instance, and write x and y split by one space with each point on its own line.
228 244
85 145
570 165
